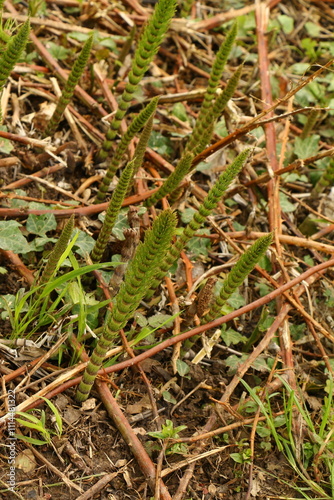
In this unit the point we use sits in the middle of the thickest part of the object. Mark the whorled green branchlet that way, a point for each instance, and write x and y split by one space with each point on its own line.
55 255
68 91
115 161
173 181
148 45
186 7
210 202
195 143
13 52
137 281
209 119
238 274
141 148
112 212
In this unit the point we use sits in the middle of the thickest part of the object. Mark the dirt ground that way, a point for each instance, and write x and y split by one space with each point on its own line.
91 448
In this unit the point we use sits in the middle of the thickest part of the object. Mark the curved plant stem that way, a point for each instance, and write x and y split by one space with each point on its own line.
68 91
148 45
238 274
55 255
137 124
138 278
173 180
13 52
200 132
209 203
112 212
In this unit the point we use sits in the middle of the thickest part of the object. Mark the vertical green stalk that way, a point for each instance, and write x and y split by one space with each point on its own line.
238 274
209 204
56 253
68 91
173 180
13 52
148 45
112 212
142 145
205 131
195 142
137 281
132 130
186 7
310 123
141 149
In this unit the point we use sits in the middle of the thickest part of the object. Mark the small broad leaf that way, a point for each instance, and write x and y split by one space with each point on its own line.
307 147
160 143
6 145
231 337
236 300
11 237
168 397
160 319
182 368
286 22
286 205
180 111
41 224
57 51
84 244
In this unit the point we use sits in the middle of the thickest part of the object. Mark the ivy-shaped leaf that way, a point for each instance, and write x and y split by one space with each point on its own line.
41 224
11 237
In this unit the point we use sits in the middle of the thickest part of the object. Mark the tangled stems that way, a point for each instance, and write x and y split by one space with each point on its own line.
137 281
173 180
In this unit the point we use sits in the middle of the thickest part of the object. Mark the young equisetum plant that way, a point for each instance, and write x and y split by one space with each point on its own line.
209 203
137 281
209 113
148 45
55 255
238 274
12 53
112 212
137 124
68 91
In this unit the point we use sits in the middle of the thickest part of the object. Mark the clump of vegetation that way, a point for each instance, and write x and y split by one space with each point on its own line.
97 297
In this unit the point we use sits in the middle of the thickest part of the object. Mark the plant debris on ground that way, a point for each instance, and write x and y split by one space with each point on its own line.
240 405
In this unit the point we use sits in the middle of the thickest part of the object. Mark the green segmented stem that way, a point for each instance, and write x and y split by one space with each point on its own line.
112 212
68 91
141 149
56 253
209 204
200 129
138 278
238 274
132 130
148 46
186 7
12 52
227 94
173 180
311 121
206 127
